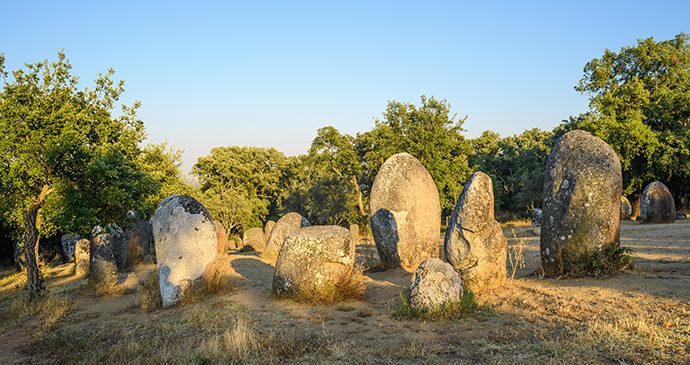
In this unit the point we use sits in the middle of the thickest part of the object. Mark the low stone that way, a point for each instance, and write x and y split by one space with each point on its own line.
626 208
312 256
69 241
354 230
82 267
285 225
222 238
102 269
81 250
186 245
681 216
254 238
138 240
657 205
268 228
537 215
474 243
113 237
434 283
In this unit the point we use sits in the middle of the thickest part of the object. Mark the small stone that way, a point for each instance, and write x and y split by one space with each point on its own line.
81 250
537 215
626 209
268 228
254 238
82 267
434 283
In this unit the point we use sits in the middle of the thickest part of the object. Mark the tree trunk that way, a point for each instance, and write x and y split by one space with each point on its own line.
33 281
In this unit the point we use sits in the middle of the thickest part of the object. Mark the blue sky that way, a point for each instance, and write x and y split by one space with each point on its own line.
269 74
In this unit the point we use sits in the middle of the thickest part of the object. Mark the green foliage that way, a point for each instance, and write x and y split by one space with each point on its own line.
606 262
640 105
162 164
456 310
240 186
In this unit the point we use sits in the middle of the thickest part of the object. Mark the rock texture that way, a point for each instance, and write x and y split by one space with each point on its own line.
255 238
311 256
222 235
102 269
113 237
537 215
82 267
69 241
354 230
435 282
657 205
626 209
186 244
474 243
405 212
268 228
139 238
82 250
285 225
582 197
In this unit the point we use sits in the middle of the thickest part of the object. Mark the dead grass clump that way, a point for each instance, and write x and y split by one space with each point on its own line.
467 306
349 285
215 282
50 308
516 255
515 223
149 296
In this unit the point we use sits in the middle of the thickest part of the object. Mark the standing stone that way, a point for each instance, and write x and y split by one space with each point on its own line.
405 212
102 269
139 239
434 283
268 228
285 225
69 241
312 256
222 238
626 208
354 230
657 205
81 250
255 238
186 245
112 237
82 267
537 214
474 243
582 197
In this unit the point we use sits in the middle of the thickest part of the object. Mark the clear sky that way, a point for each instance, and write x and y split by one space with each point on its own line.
269 74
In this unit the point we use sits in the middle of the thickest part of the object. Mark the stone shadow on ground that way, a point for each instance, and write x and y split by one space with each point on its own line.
255 272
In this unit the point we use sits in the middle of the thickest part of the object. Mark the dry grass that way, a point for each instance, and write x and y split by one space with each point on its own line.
516 255
349 285
215 282
515 223
149 296
49 308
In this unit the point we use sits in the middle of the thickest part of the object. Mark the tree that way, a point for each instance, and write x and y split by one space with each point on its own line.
162 163
430 134
640 105
240 185
57 139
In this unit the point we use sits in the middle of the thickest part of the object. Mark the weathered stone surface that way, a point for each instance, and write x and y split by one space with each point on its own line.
537 215
435 282
254 238
474 243
82 267
222 238
139 238
405 213
626 208
582 197
268 228
186 244
285 225
354 230
311 256
657 205
81 250
69 241
102 269
113 237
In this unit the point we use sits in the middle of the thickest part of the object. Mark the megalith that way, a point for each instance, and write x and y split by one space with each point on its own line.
657 205
186 245
222 234
102 268
582 197
474 243
626 209
434 283
112 237
537 214
139 238
82 250
312 256
405 213
69 241
255 238
285 225
268 227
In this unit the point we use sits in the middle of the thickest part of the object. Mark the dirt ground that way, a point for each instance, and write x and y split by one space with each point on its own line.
526 308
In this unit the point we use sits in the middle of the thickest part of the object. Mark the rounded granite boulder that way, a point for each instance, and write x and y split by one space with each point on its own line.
112 237
434 283
285 225
657 205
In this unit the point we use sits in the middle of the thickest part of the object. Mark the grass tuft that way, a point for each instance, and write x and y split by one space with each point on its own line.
467 306
349 285
149 296
215 282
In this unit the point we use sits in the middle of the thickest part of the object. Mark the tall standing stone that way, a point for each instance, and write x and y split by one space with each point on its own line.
255 238
285 225
312 256
268 228
112 237
405 212
657 205
102 269
82 250
222 238
186 245
474 243
582 197
139 238
69 242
